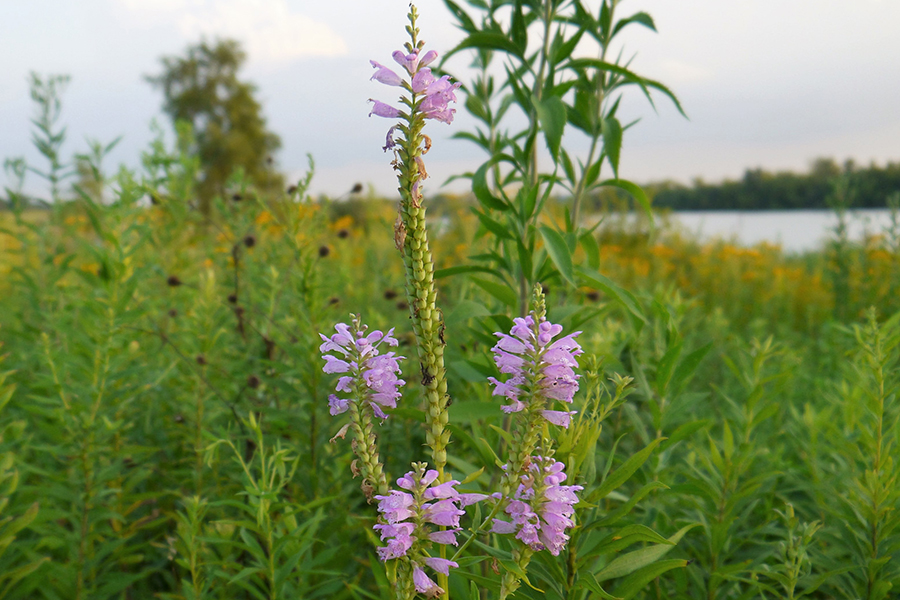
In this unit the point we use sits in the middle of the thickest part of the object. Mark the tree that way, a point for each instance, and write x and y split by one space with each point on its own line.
203 89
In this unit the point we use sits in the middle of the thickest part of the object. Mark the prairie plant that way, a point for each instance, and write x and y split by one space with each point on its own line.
530 509
867 512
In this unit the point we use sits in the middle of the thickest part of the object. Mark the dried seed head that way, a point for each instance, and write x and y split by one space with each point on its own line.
324 251
201 360
333 300
389 294
173 313
292 190
173 281
237 197
232 298
250 241
357 188
593 295
343 234
402 305
253 382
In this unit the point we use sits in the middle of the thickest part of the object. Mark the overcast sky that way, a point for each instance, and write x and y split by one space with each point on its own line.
770 83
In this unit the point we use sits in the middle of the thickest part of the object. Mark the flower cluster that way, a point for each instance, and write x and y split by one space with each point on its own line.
541 509
407 514
370 377
438 92
540 368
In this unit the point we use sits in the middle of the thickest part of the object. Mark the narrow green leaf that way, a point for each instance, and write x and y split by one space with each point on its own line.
620 295
632 561
498 291
687 366
465 310
635 191
636 582
493 226
667 367
488 40
481 189
552 116
625 471
449 271
559 252
591 249
612 142
588 582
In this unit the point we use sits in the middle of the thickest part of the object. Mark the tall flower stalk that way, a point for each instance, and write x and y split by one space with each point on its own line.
427 97
370 380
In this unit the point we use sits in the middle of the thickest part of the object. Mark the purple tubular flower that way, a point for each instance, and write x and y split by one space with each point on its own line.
410 62
378 372
337 405
447 536
385 75
538 364
558 417
443 513
541 510
441 565
384 110
444 490
424 585
428 58
422 80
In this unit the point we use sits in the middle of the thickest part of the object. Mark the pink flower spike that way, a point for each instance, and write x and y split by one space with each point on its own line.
385 75
383 110
441 565
559 417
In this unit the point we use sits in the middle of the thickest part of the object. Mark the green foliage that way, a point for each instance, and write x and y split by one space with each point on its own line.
202 88
763 190
552 88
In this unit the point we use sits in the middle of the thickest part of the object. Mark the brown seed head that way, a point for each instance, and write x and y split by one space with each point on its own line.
173 281
250 241
237 197
343 234
232 298
173 313
334 300
324 251
357 188
389 294
253 382
201 360
593 295
292 190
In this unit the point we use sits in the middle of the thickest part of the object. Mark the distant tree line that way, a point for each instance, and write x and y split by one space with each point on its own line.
758 189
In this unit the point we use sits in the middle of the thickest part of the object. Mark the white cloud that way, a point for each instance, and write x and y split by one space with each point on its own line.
270 31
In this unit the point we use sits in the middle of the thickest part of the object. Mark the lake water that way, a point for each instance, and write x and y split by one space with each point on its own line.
794 230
